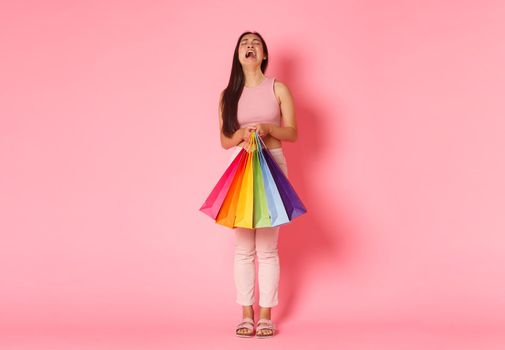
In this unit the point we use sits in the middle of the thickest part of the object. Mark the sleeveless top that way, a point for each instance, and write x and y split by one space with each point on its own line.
258 105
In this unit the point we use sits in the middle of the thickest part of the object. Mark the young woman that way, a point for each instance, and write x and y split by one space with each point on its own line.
254 101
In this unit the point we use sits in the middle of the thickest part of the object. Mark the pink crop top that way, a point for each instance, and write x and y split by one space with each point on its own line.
258 105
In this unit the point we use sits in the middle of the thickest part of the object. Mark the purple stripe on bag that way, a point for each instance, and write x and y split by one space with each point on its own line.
292 203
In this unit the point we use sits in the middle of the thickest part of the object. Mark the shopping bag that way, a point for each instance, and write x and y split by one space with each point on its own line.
226 215
276 210
292 203
261 214
245 204
216 198
253 192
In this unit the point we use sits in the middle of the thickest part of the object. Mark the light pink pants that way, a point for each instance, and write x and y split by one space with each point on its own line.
263 243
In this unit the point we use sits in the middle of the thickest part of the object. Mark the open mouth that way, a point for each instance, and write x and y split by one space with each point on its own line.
250 54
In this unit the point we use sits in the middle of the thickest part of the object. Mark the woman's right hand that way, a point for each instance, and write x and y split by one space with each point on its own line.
245 134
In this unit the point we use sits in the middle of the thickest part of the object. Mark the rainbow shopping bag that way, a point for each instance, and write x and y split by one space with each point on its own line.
253 192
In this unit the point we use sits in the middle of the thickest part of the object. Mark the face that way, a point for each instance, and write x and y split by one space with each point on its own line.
250 50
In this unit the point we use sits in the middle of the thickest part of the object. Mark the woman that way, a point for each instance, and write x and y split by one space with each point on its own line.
253 101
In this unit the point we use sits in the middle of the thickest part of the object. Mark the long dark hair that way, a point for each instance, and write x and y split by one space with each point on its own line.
233 91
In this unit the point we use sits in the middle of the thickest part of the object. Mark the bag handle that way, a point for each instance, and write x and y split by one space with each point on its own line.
251 144
258 143
261 144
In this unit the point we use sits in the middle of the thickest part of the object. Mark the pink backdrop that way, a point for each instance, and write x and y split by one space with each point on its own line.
109 144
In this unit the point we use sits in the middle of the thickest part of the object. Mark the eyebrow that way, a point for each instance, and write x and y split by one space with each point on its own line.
251 40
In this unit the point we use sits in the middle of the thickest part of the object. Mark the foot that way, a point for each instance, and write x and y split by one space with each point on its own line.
244 329
265 328
264 323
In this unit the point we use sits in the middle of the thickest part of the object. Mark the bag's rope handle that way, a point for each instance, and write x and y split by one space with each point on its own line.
261 142
251 142
258 144
254 145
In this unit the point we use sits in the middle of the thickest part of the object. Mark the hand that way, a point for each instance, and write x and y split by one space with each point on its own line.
263 129
245 134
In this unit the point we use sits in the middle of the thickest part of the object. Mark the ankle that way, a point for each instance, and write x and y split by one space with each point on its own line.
265 313
248 311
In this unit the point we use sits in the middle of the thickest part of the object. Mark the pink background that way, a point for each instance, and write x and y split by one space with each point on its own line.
109 143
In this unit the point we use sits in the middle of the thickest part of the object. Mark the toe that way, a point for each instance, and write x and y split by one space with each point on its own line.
243 331
265 332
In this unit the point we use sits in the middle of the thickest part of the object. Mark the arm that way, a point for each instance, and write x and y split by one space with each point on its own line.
237 137
288 132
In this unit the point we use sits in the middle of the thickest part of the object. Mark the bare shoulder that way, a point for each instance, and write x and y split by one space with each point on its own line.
280 86
281 90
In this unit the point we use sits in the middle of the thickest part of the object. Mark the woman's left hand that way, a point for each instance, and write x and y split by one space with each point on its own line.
263 129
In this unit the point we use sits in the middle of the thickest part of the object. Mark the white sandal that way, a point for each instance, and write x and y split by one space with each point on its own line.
265 324
247 323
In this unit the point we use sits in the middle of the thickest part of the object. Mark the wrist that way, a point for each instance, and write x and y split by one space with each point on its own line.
238 136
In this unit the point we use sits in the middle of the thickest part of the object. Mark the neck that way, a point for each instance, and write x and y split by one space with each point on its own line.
253 76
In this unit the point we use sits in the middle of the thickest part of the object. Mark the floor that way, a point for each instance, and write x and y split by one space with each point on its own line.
218 334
